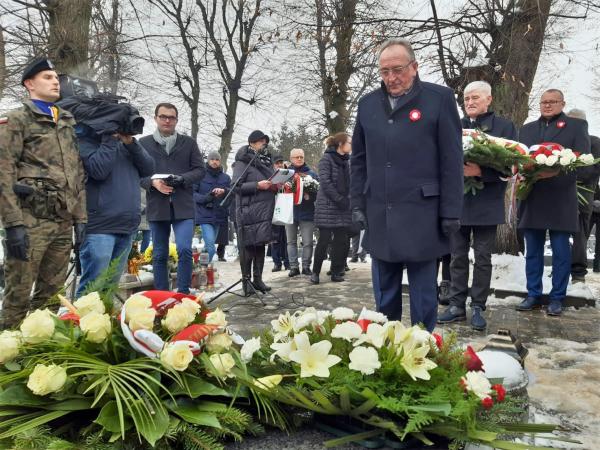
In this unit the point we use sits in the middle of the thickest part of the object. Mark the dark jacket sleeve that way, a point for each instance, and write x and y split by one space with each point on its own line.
99 158
243 188
358 167
325 175
583 145
196 172
491 176
201 198
450 159
141 159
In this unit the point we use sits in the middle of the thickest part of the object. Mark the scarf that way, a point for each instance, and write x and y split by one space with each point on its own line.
166 142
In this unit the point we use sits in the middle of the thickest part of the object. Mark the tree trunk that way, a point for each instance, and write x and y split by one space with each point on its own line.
114 57
68 41
227 131
2 63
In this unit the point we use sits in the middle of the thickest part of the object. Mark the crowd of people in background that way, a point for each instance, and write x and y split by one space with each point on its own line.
393 190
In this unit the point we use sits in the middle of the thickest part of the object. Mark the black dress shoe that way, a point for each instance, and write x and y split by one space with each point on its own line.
354 259
294 272
314 278
337 278
276 269
346 268
260 286
306 271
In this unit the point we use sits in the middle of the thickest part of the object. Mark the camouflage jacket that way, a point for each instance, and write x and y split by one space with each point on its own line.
39 152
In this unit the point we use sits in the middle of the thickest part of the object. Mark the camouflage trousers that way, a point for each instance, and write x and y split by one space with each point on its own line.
50 244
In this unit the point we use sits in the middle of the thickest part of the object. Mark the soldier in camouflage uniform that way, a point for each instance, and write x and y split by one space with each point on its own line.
42 194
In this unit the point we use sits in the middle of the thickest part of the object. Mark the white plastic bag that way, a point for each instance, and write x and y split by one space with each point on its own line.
284 209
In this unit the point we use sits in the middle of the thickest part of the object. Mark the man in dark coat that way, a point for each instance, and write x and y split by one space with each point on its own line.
481 214
208 196
407 183
255 202
279 246
304 219
589 181
170 201
552 203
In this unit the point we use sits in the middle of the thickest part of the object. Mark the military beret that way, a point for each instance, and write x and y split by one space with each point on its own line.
36 66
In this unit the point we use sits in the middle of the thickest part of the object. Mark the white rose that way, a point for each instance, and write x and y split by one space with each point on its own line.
587 159
88 303
216 317
364 360
551 160
310 316
467 143
478 383
223 363
342 313
134 304
347 330
218 342
557 152
372 316
178 317
143 319
10 342
250 347
541 158
46 379
192 307
38 326
177 356
96 326
565 160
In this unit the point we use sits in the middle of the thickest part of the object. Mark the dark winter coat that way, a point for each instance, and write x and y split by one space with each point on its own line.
113 182
552 203
486 207
208 207
254 207
589 178
332 208
407 171
185 159
305 211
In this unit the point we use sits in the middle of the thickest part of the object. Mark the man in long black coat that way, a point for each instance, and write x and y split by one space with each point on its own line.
406 181
482 213
552 203
589 180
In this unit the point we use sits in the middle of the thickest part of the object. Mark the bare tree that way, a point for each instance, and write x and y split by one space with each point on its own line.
231 27
2 62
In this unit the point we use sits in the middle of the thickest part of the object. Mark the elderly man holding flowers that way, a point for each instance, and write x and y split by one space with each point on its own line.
551 204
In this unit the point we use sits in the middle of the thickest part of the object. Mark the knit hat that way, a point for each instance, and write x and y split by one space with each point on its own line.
278 158
214 156
257 135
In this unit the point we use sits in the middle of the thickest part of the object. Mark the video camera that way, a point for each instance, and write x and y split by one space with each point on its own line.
102 112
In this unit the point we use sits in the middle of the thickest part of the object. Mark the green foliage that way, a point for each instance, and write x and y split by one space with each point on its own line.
302 136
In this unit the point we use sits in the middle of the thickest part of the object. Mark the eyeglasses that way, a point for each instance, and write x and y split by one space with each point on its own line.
165 118
297 157
550 102
394 70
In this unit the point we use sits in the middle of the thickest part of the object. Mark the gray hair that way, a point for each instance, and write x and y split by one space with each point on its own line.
577 113
480 86
397 41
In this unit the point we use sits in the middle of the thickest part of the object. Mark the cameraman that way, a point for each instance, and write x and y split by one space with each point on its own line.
170 201
114 164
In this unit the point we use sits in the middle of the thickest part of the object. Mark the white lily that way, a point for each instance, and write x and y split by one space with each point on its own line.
310 316
283 325
314 359
415 362
283 349
376 335
364 360
347 330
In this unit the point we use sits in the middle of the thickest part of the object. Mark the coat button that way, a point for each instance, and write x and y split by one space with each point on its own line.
391 121
388 165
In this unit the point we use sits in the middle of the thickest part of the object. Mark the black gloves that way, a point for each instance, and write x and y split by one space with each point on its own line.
79 229
17 242
359 218
174 181
450 226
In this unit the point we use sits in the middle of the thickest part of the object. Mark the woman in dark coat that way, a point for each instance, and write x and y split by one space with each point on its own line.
332 208
255 202
208 195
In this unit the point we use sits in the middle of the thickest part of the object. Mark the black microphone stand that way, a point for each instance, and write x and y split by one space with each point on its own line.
250 286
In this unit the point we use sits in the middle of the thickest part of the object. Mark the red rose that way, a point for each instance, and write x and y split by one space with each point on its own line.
500 392
577 154
439 341
487 402
548 152
472 361
70 316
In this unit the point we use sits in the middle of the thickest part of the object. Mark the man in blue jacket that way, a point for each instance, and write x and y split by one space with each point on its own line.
114 165
482 213
208 195
407 181
304 219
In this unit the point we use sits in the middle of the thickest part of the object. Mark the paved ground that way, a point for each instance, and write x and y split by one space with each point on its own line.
564 360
